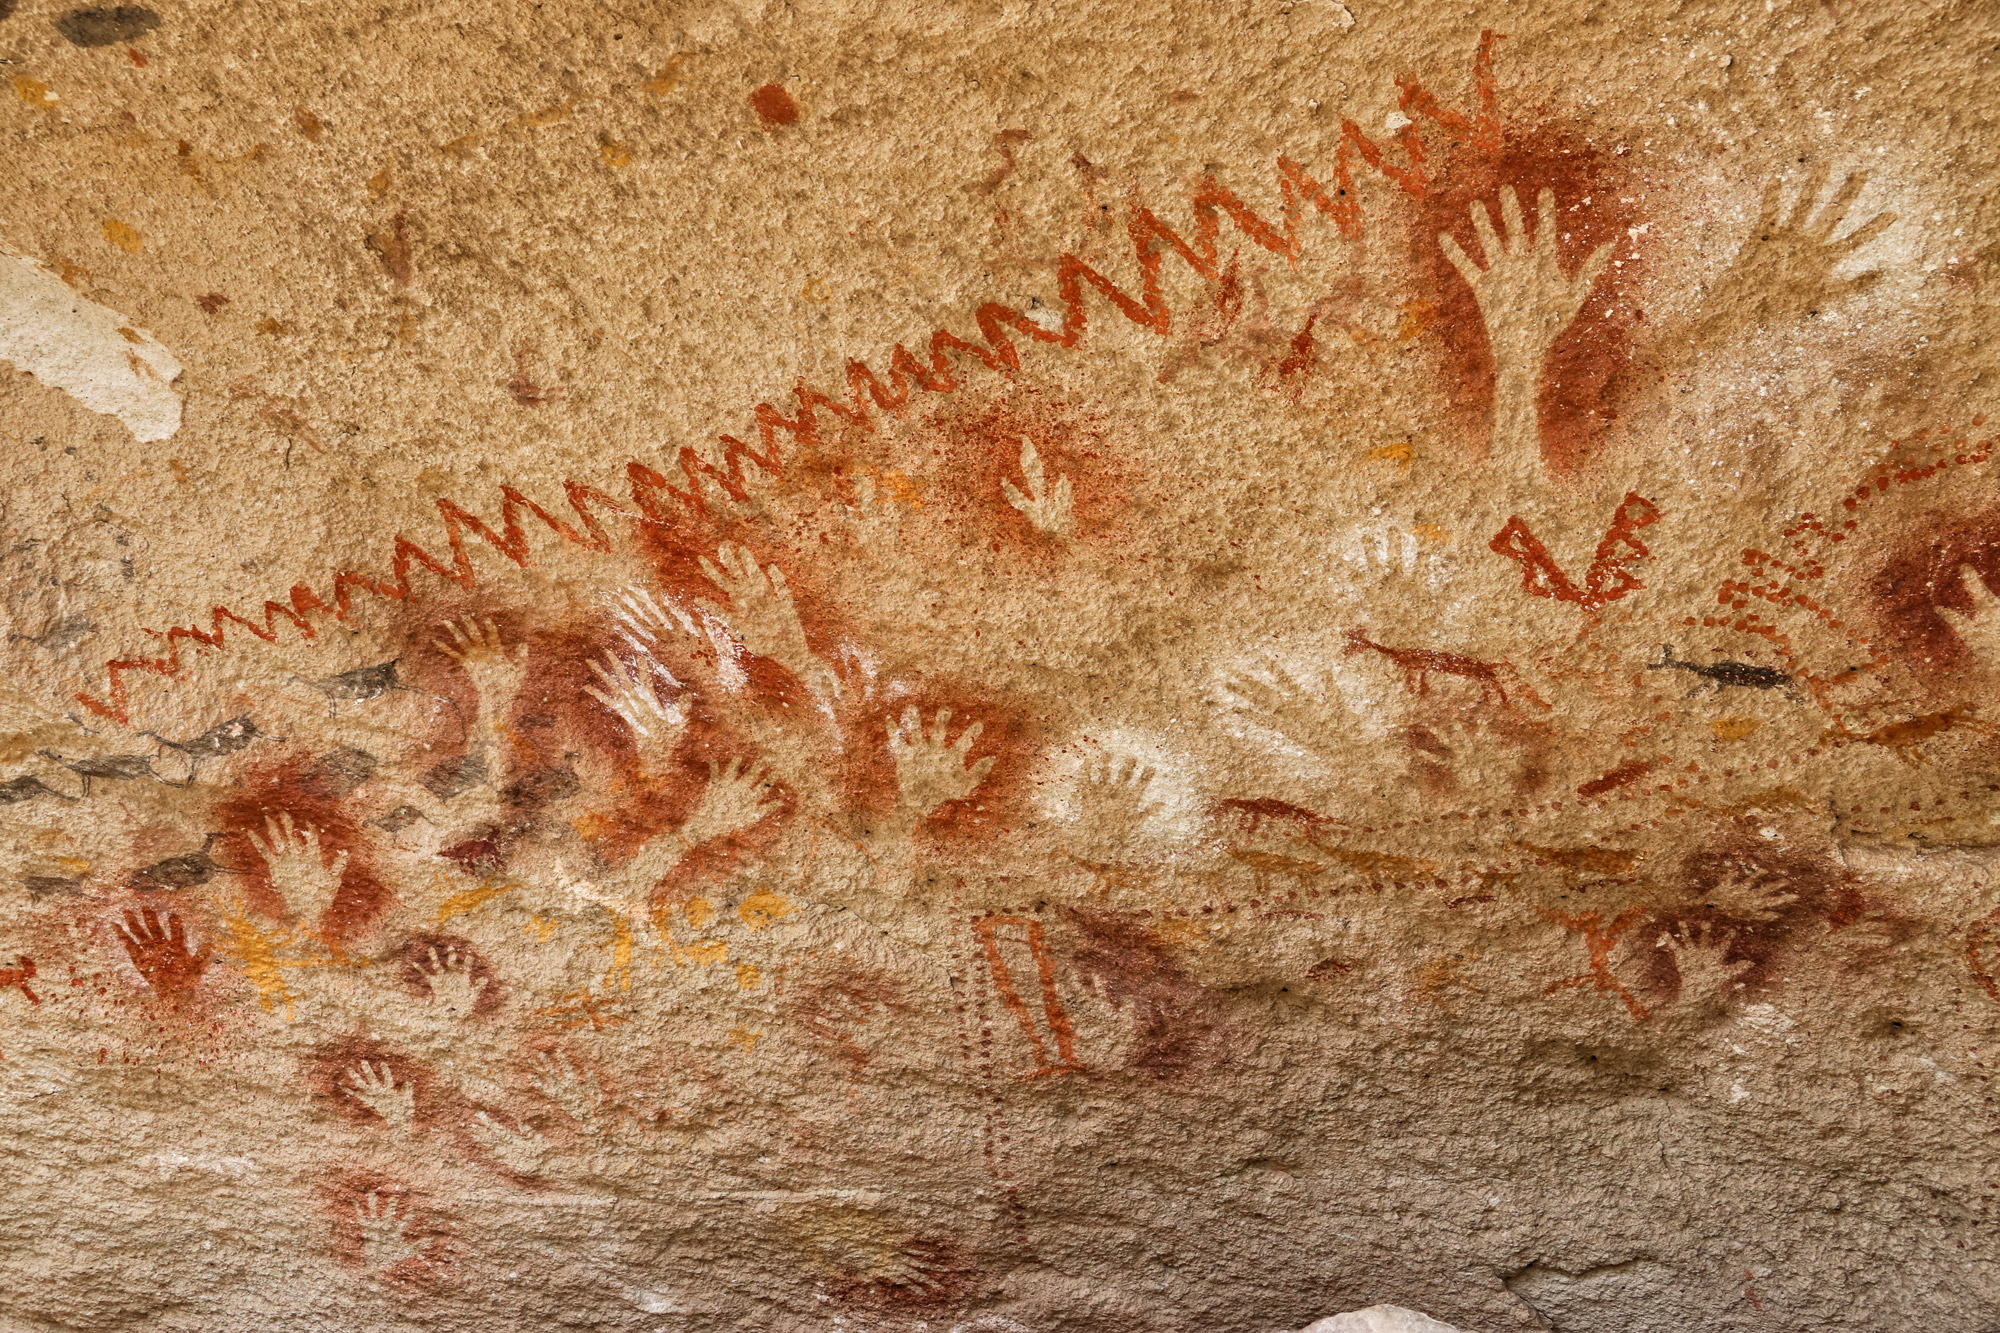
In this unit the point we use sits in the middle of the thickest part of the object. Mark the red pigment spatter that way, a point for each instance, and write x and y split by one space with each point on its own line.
774 106
288 785
334 1067
999 803
1808 894
1926 572
1588 371
1178 1022
981 449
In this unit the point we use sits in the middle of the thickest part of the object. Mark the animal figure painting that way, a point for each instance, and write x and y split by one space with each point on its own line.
1006 669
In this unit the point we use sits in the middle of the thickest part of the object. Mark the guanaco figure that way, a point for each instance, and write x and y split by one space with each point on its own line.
1419 663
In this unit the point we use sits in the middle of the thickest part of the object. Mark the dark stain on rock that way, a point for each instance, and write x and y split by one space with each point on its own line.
1179 1031
107 26
338 772
454 777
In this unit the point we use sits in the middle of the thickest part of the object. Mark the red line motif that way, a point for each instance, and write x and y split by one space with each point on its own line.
1151 238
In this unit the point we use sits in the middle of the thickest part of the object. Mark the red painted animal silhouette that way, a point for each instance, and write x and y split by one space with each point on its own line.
1419 663
18 977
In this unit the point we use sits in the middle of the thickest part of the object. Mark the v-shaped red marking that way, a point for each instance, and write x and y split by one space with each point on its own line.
1609 576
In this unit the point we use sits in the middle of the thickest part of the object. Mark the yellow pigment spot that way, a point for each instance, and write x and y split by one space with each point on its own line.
126 238
762 908
1399 454
704 952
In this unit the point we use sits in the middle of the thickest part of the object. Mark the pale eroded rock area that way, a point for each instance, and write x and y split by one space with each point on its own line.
999 667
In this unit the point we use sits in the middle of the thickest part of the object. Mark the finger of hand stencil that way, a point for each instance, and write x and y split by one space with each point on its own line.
1031 466
1468 270
1976 587
1510 217
1862 234
1829 217
1802 207
631 604
1586 274
1482 229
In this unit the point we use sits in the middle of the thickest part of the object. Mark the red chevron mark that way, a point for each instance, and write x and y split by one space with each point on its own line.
653 495
1609 576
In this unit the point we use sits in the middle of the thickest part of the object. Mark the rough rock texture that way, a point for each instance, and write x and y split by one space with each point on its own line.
999 666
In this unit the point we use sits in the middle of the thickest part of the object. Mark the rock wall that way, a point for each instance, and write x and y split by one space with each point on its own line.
998 667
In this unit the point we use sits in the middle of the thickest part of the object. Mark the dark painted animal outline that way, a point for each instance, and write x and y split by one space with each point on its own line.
189 870
1720 676
28 787
107 768
223 738
365 684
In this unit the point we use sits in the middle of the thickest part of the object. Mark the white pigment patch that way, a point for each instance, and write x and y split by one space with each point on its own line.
89 351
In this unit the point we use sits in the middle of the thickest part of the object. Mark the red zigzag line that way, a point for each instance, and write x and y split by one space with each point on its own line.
653 495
